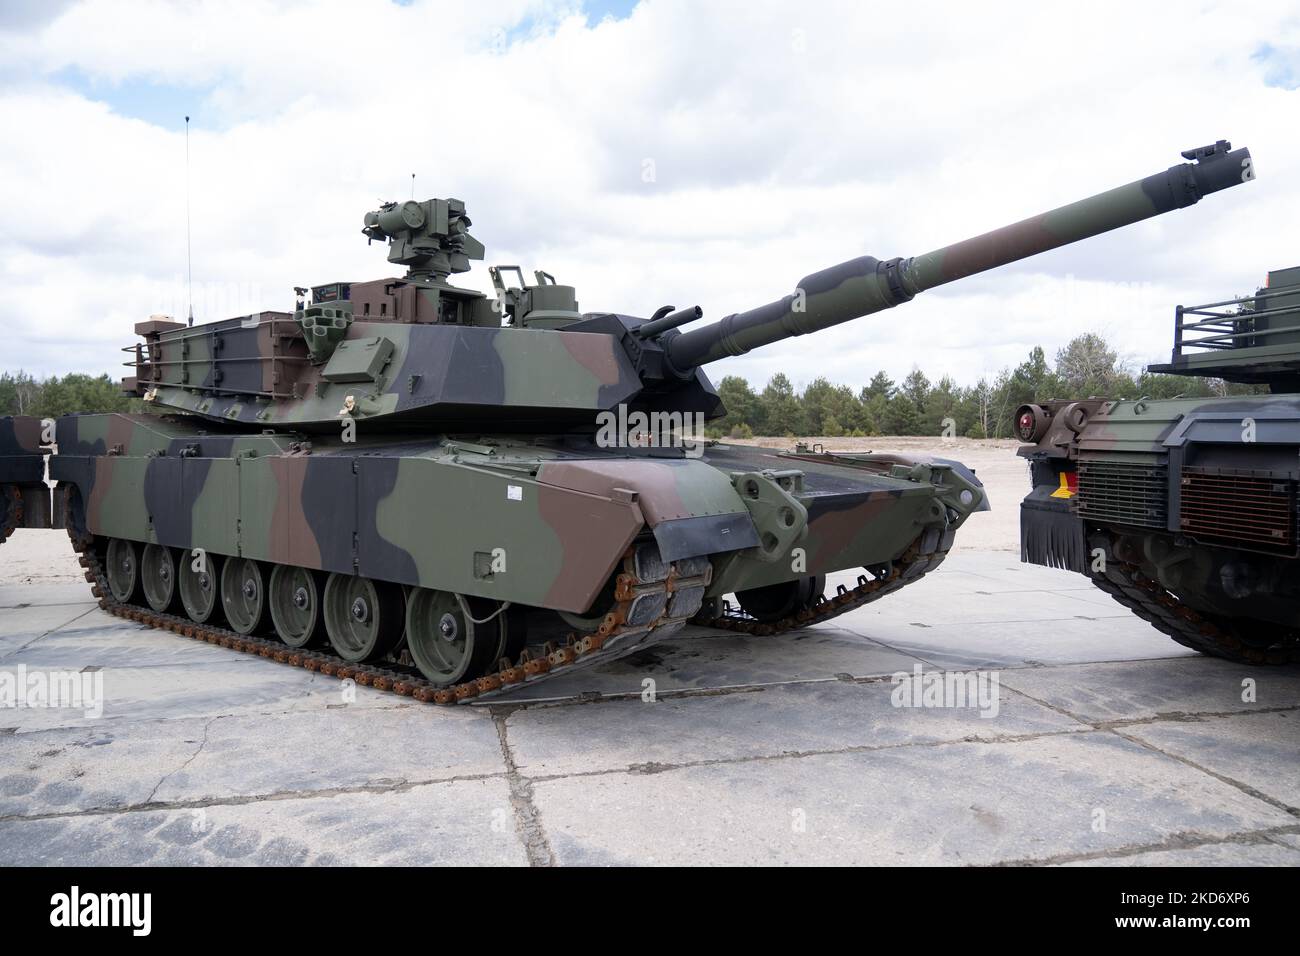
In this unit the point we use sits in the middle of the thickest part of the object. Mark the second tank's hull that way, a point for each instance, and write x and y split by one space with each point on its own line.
24 496
1185 510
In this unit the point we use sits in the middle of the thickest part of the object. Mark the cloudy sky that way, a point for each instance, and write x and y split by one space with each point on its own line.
657 152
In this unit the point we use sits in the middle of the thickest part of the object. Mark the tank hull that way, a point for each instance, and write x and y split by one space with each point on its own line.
537 521
1184 509
552 551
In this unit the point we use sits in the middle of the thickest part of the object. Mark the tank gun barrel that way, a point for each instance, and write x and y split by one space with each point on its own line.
865 285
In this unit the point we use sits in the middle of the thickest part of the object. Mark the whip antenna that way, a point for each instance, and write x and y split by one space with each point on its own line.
189 262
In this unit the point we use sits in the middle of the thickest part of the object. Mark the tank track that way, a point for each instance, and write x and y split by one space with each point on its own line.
12 517
652 601
1149 600
925 554
645 612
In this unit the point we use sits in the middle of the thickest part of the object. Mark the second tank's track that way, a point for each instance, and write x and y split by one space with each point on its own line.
652 601
1149 600
12 516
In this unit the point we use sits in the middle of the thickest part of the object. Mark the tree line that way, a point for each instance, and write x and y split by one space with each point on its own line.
1085 367
23 394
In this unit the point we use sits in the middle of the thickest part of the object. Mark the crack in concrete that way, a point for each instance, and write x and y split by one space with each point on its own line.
1113 727
506 708
89 605
1222 778
1188 716
392 786
1179 716
653 767
528 818
1186 840
1273 838
207 726
7 654
389 703
1085 727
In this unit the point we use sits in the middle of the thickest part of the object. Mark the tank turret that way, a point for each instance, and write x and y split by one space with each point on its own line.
416 352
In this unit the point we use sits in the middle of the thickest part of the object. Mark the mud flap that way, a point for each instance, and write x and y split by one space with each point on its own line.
1050 534
36 506
705 534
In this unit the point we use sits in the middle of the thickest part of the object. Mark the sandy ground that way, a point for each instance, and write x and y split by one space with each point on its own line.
38 557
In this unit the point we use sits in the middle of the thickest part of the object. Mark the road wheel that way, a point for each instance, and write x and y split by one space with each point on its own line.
158 577
778 601
363 618
444 640
199 588
295 598
243 594
122 566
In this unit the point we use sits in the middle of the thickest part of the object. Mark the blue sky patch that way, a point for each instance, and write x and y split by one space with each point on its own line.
1281 66
162 104
167 104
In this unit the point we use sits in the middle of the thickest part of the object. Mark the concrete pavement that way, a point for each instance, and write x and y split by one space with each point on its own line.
1109 745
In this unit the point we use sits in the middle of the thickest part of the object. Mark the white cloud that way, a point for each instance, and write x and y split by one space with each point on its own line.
783 140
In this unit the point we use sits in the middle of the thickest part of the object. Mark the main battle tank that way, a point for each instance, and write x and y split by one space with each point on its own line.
24 496
453 495
1185 510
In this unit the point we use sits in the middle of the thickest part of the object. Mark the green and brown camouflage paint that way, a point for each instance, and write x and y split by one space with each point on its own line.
866 285
562 516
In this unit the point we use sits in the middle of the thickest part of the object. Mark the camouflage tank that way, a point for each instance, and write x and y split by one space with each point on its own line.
24 496
1185 510
453 495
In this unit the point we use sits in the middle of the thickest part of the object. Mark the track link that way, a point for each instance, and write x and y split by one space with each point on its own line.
12 517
